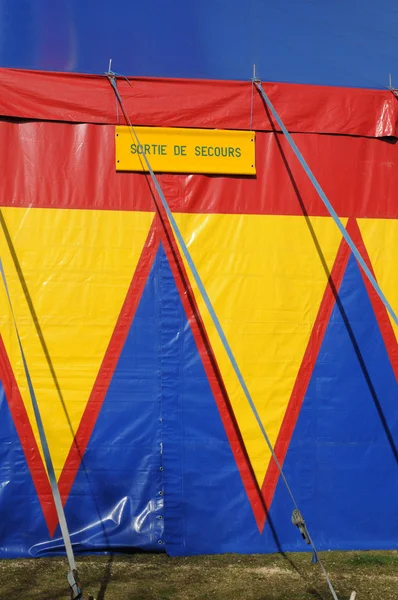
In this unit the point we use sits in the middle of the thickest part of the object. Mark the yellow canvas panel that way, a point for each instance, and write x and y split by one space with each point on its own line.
380 237
78 265
266 281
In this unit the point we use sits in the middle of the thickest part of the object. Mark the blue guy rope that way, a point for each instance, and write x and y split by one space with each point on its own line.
327 204
112 80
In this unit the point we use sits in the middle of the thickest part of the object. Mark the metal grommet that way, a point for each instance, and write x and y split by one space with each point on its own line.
160 493
160 542
159 517
160 468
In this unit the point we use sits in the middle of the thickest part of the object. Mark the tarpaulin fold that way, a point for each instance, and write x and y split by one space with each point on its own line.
197 103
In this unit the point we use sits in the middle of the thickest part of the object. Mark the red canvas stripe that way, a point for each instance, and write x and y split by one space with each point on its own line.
305 372
27 438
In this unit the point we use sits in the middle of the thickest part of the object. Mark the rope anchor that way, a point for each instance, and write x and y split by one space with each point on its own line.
75 589
298 521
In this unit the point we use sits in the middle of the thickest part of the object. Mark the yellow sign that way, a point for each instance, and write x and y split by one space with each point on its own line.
174 150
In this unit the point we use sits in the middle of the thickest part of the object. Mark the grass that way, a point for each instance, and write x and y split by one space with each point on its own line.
374 575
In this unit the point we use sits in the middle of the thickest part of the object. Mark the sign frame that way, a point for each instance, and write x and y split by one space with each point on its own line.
183 150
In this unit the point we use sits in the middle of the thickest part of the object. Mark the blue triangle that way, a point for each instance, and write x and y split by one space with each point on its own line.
206 506
343 460
115 501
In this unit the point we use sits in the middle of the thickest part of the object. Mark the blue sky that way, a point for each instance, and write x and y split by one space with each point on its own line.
328 42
